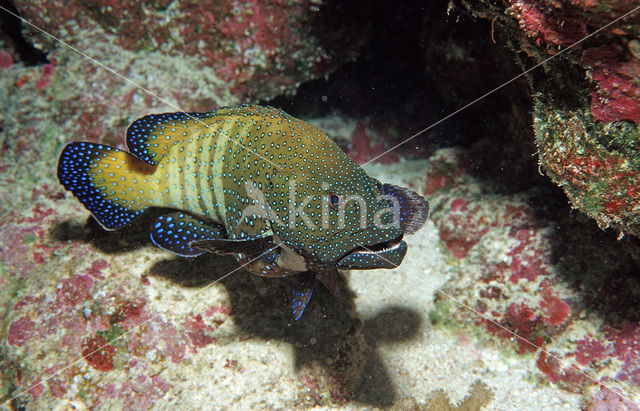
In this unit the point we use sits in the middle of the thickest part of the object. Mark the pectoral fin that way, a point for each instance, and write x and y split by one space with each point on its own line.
252 247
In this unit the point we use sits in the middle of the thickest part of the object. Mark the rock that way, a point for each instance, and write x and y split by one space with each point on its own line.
259 49
586 100
546 282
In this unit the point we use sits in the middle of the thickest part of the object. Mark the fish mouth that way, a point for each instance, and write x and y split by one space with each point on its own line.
379 247
385 254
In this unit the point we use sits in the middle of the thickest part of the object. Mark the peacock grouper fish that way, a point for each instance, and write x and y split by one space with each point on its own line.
251 181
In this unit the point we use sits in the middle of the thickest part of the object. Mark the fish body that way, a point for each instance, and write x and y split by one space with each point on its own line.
251 181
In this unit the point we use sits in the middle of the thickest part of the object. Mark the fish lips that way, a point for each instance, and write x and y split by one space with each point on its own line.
387 254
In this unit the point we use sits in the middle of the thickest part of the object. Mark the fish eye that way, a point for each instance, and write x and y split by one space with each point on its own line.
379 186
334 200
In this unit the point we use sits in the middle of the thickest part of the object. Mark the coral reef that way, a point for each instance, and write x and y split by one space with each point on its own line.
70 289
597 165
260 49
92 319
527 266
587 99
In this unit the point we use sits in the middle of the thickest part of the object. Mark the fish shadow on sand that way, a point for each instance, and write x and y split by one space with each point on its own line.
126 239
328 340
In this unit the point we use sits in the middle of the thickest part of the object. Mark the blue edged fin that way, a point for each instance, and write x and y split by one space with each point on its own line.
252 247
302 293
414 209
95 174
250 110
176 231
150 137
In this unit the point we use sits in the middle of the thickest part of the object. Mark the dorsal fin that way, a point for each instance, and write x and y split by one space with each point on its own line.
150 137
249 110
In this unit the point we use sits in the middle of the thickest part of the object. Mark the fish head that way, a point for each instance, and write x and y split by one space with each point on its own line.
339 217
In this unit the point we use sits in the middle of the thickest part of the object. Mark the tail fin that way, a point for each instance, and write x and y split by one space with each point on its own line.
109 182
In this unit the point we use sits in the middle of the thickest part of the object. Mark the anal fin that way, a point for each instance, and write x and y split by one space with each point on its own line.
252 247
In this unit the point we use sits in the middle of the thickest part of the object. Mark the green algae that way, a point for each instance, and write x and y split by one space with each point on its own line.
622 137
442 316
446 317
112 333
596 164
28 238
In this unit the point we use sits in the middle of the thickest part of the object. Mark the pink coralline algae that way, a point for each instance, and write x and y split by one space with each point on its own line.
565 22
467 224
129 314
624 343
261 48
98 353
21 331
6 59
522 320
364 148
96 268
29 240
77 320
617 77
45 77
525 267
556 371
555 310
197 331
457 241
587 114
608 399
589 350
200 328
557 28
74 290
539 283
